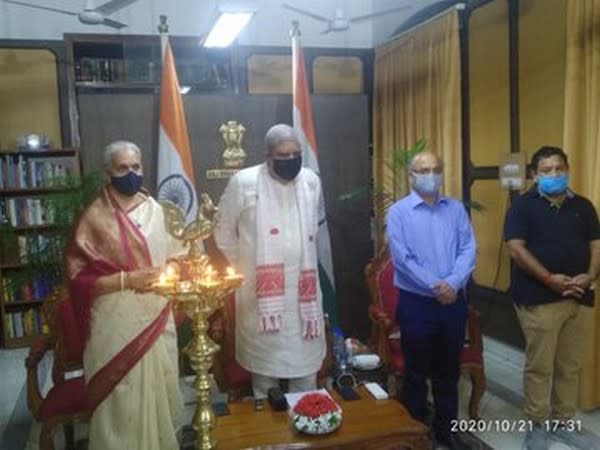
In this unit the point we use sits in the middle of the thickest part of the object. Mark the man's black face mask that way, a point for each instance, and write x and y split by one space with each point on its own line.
287 169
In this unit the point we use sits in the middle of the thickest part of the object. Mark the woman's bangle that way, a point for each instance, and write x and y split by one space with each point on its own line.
122 280
546 277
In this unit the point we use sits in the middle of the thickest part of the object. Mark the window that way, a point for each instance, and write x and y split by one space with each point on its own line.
338 75
270 74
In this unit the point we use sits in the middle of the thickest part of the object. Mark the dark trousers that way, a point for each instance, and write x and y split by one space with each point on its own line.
432 337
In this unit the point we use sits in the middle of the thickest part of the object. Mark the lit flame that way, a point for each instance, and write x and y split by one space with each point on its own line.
170 272
162 279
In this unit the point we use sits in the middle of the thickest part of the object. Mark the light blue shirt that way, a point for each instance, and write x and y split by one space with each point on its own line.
430 244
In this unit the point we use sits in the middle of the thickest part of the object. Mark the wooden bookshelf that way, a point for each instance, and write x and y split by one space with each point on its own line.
25 341
41 154
28 181
23 303
12 265
24 229
32 191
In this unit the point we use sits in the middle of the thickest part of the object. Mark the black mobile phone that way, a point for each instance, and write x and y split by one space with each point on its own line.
221 409
277 399
348 393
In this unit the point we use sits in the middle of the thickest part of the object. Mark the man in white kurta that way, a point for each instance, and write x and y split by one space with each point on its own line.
288 343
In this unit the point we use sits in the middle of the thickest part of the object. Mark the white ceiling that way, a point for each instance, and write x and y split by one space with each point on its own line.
269 26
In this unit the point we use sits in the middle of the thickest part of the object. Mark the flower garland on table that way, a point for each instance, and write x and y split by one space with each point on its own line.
316 414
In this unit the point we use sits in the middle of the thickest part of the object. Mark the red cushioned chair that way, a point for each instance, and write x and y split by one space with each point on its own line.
385 332
65 403
228 374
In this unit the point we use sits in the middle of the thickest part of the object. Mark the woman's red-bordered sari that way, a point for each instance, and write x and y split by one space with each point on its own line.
130 354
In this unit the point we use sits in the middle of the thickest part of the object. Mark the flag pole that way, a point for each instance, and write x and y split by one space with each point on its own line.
295 35
295 30
305 130
163 29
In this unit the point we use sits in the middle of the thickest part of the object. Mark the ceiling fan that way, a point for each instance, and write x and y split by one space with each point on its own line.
90 15
339 22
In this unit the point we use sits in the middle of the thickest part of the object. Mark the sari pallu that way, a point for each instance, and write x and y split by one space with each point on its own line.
105 242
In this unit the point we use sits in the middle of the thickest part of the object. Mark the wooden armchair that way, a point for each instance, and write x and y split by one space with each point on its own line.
232 378
385 332
65 404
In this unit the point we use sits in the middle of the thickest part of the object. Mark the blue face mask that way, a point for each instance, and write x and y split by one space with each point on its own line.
127 184
427 183
553 184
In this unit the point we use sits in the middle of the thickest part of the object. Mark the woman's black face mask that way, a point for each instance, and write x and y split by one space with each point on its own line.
128 184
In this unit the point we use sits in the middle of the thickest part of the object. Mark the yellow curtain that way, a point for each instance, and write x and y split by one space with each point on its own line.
582 143
417 95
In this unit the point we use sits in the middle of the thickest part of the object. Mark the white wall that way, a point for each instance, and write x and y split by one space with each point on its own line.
384 27
270 25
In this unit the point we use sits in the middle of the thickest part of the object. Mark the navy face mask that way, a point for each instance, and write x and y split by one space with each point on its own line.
287 169
127 184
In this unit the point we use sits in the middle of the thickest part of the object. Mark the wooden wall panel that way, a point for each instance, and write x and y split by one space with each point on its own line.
29 96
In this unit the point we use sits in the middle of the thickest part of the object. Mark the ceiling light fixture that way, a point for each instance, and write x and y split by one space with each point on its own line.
231 21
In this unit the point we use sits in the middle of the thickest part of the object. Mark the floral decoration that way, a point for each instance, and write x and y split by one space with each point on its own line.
316 413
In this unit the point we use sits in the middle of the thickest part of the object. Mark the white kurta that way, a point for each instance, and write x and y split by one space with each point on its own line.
283 354
144 409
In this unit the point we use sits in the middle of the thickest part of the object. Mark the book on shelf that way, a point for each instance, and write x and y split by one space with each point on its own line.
31 172
14 290
25 211
100 70
23 323
17 249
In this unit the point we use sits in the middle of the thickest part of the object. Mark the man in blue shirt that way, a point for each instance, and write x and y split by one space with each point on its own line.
433 250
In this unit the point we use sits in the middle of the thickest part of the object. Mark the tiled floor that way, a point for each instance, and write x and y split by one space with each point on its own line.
12 372
504 368
504 397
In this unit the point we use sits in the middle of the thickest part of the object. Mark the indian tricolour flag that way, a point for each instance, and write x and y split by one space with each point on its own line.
303 124
175 169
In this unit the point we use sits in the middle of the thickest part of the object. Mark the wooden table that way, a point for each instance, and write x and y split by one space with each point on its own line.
367 424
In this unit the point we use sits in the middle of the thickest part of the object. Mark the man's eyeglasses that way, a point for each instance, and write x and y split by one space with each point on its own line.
287 156
426 171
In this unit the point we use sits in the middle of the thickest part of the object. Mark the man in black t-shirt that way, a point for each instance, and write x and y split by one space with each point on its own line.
553 237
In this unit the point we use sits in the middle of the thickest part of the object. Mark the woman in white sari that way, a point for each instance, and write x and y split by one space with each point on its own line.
130 356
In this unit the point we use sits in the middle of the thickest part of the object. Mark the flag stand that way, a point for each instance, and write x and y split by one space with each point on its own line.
200 290
305 130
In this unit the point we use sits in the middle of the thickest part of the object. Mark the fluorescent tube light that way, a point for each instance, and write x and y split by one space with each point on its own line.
227 28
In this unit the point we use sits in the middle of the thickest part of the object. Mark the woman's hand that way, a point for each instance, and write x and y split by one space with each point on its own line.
142 280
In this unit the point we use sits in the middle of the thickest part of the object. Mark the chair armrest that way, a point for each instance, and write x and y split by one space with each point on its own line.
37 351
380 319
36 354
382 327
474 329
216 328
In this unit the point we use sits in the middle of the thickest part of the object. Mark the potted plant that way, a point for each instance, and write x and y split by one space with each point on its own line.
39 249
